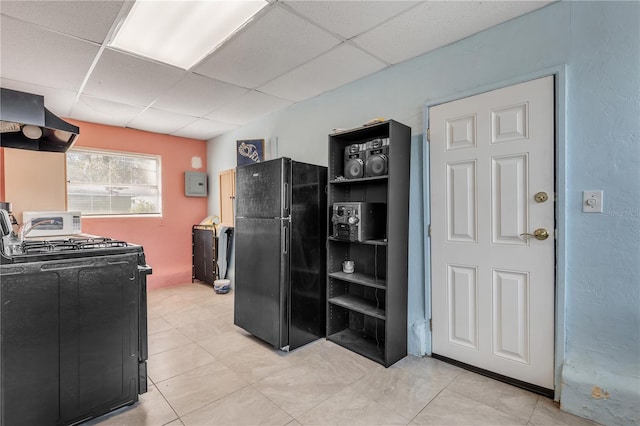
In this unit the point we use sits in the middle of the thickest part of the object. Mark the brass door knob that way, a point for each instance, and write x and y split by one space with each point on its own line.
539 234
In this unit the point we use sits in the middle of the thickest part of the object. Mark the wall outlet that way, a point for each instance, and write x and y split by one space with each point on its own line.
592 201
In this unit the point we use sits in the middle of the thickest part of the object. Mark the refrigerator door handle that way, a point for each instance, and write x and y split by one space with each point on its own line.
285 244
285 207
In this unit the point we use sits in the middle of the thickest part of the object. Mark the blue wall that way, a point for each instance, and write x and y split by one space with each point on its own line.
599 148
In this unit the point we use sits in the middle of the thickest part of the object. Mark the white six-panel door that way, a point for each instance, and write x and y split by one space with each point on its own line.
493 286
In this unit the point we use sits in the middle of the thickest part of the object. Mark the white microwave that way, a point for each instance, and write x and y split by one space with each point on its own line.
51 223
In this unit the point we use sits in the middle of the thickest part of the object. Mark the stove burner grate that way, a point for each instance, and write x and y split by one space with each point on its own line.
33 247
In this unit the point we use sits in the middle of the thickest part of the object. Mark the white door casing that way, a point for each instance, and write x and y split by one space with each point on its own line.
493 287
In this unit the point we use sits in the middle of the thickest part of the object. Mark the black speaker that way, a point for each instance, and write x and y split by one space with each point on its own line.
354 158
377 157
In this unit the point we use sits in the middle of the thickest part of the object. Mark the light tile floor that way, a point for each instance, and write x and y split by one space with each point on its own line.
203 370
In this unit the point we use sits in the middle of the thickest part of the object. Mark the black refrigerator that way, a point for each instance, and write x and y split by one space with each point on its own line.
280 237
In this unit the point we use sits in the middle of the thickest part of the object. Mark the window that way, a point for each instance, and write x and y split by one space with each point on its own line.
113 183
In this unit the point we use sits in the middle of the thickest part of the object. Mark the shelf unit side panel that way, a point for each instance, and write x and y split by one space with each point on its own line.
398 231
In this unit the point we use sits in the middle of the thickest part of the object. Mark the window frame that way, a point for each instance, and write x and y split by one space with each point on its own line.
129 154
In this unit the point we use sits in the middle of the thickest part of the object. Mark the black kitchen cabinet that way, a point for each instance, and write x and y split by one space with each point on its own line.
367 309
204 254
70 339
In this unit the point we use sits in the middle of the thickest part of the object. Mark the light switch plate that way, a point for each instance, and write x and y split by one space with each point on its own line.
592 201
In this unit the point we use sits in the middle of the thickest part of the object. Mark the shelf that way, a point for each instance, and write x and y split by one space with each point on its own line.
358 180
359 304
362 279
359 343
369 242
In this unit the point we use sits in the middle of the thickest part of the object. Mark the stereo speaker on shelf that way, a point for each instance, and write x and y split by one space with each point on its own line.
376 157
354 161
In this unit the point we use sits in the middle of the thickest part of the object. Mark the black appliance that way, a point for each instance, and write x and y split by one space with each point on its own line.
74 328
358 221
376 157
280 254
354 157
26 124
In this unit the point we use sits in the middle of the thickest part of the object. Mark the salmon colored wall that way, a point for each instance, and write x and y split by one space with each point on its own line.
166 240
2 174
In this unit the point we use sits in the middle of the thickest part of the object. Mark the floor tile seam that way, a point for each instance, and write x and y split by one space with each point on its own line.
283 409
248 385
191 322
183 372
527 418
520 420
428 403
175 347
169 404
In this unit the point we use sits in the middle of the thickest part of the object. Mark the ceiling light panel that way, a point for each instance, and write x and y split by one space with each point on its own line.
181 33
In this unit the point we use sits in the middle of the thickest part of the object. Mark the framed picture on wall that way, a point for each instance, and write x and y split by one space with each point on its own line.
250 151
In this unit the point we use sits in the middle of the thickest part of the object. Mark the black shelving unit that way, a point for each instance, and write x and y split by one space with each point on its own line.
204 243
367 309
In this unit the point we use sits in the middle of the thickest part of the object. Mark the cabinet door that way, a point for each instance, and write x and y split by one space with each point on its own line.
30 364
227 180
99 336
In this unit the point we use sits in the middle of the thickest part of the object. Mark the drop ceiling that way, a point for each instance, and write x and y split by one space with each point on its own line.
289 52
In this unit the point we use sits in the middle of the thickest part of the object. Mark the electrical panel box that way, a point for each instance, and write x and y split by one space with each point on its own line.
195 184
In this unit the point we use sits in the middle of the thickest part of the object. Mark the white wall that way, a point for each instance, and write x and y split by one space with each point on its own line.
599 42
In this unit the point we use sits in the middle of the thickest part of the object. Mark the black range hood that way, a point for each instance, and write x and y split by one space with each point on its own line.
26 124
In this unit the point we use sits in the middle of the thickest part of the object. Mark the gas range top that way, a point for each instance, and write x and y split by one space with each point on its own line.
47 246
42 250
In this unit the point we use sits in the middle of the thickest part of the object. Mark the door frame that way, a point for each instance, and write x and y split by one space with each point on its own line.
560 169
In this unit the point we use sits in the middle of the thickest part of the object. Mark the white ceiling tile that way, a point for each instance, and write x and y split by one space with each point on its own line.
124 78
34 55
248 107
434 24
103 111
204 129
57 101
197 95
90 20
270 46
349 18
154 120
322 74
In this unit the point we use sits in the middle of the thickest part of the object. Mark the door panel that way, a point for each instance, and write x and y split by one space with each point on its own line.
260 189
259 281
227 180
492 285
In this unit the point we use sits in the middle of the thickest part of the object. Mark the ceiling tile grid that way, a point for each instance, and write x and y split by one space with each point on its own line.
341 65
125 78
349 18
249 107
154 120
198 95
267 48
291 51
204 129
38 56
96 110
89 20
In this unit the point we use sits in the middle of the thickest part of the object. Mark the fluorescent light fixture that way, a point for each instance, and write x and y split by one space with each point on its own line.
182 32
